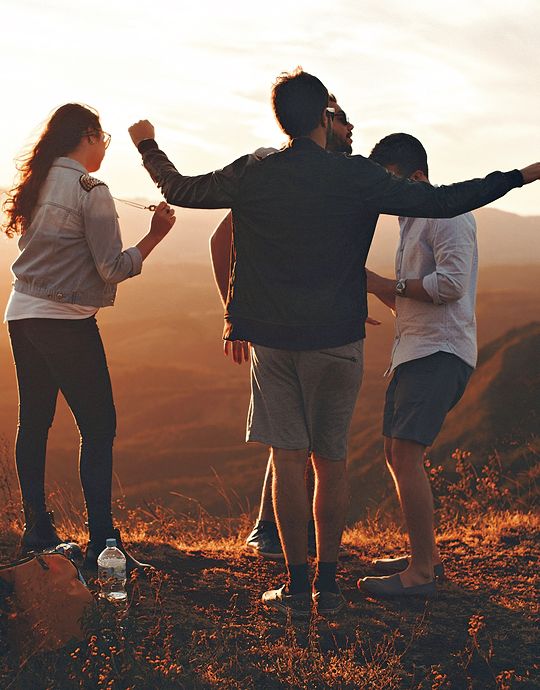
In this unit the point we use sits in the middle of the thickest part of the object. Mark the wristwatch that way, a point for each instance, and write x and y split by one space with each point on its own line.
400 288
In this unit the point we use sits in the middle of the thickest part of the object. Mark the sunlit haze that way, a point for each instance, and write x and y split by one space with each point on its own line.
461 76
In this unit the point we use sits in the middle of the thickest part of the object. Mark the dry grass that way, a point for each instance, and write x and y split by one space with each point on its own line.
198 621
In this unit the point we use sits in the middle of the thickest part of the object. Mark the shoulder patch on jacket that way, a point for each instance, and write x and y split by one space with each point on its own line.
88 182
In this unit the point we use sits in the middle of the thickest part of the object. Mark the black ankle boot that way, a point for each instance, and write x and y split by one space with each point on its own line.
39 532
96 546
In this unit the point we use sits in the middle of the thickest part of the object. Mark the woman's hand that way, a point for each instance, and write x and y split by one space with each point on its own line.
162 220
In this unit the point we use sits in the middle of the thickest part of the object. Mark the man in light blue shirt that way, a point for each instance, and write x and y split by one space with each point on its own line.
433 356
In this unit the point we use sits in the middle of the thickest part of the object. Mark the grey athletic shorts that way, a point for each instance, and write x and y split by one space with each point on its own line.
420 395
304 399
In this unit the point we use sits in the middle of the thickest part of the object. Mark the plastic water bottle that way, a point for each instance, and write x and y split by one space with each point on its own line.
112 572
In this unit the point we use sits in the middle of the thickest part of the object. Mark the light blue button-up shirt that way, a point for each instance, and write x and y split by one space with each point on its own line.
444 253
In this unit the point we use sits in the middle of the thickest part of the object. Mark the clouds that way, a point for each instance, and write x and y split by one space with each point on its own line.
463 76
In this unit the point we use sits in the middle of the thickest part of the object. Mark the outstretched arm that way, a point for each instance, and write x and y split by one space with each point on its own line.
217 189
387 193
531 173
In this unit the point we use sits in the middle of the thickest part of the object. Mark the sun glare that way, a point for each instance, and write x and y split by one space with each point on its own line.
202 73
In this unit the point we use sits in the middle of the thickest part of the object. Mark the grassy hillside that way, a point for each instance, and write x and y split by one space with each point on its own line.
198 623
182 406
500 408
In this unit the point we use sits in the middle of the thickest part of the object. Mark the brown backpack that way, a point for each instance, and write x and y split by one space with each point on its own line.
46 604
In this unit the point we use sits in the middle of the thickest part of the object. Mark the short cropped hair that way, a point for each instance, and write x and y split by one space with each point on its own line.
402 150
298 100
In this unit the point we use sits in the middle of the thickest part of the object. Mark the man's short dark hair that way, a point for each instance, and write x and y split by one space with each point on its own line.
402 150
298 100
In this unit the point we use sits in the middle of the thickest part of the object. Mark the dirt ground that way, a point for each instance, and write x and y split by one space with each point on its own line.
198 621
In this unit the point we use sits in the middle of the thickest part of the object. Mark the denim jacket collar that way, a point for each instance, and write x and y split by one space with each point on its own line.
65 162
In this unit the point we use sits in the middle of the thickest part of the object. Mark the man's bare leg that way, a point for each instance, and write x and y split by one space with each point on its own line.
264 539
292 512
310 485
330 505
266 508
406 464
435 554
330 508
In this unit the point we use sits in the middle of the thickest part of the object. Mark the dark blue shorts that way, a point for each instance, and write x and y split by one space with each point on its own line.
420 395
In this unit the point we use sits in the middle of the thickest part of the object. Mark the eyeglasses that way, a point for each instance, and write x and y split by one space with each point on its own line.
105 136
106 139
341 116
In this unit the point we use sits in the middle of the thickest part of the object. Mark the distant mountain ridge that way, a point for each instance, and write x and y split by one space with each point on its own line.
182 406
501 406
503 238
499 412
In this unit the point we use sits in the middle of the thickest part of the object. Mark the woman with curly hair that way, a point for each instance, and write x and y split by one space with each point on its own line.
70 262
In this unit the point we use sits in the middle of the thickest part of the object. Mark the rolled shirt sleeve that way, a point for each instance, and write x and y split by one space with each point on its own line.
104 240
454 248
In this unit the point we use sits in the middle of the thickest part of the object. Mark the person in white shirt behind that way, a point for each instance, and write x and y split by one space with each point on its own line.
434 354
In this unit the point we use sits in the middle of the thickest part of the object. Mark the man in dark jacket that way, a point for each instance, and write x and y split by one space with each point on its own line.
264 540
303 223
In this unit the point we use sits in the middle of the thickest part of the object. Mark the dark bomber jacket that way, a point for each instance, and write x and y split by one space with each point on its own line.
303 223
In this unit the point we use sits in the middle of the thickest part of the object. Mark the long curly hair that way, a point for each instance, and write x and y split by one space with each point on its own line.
61 135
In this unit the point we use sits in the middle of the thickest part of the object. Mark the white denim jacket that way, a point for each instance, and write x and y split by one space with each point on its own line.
72 249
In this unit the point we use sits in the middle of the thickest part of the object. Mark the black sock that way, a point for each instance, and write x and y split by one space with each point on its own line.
325 578
298 578
266 523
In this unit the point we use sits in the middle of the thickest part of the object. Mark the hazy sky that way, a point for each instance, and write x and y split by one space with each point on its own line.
462 76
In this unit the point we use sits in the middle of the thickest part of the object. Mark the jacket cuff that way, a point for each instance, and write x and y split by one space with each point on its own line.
136 261
431 286
147 145
516 177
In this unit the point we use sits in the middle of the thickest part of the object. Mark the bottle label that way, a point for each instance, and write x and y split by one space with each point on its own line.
105 572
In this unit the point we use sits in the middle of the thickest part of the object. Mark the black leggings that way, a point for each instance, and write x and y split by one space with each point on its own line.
66 355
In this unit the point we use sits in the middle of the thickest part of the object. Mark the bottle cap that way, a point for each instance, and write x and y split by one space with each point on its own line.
110 543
